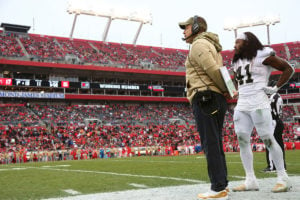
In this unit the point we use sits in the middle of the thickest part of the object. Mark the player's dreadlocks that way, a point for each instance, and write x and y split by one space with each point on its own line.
249 49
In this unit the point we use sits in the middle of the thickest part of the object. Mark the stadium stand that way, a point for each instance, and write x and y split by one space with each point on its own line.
288 112
65 129
9 46
280 50
47 48
123 126
294 50
42 48
227 57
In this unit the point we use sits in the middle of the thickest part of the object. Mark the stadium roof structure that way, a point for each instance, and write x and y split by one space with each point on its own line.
101 9
15 28
233 25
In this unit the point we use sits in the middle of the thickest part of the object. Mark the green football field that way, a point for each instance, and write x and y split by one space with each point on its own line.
51 179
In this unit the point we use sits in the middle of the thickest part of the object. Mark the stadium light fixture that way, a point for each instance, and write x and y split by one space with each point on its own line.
234 25
100 8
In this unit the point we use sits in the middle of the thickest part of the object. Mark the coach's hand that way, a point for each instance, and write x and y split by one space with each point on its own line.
235 94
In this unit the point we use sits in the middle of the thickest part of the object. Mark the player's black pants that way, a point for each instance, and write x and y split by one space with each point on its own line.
209 116
278 137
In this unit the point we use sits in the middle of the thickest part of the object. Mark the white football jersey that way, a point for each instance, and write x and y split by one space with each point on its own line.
252 76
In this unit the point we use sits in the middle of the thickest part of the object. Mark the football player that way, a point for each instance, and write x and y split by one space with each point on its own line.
252 66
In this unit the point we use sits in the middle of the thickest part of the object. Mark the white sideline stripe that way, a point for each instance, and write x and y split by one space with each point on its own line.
70 191
155 161
240 177
161 161
199 157
138 185
120 174
231 156
56 166
16 168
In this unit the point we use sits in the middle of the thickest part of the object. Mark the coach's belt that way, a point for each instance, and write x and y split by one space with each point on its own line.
198 90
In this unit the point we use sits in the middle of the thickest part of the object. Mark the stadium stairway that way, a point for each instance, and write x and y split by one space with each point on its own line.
56 42
287 51
125 49
93 47
157 52
23 48
41 122
296 109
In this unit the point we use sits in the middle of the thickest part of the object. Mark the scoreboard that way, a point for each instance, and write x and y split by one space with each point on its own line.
86 85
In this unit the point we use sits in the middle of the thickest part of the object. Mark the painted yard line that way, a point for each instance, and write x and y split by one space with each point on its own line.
240 177
56 166
156 161
17 168
178 162
120 174
293 163
138 185
237 162
292 174
231 156
70 191
233 162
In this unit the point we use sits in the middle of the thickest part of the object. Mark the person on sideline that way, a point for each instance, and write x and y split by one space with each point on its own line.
252 65
276 111
205 91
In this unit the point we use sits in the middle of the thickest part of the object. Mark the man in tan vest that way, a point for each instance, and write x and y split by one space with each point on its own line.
205 92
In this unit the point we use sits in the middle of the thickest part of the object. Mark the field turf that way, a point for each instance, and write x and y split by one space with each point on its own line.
51 179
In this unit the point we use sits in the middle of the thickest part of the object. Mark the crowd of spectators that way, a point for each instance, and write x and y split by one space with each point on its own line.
121 126
294 49
17 115
9 46
227 57
114 128
78 51
280 50
114 114
288 111
42 48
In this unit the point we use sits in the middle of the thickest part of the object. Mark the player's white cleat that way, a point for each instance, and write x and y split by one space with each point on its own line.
249 185
282 185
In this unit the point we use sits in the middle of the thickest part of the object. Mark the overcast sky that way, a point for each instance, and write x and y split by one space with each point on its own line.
50 18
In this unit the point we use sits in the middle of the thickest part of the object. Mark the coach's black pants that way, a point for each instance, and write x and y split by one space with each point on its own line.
278 137
209 116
